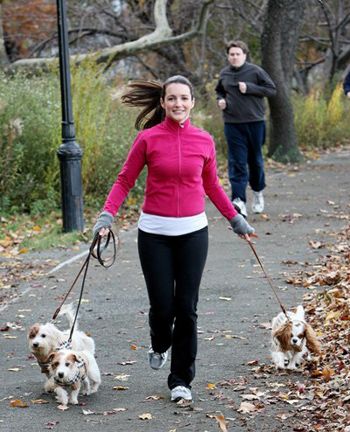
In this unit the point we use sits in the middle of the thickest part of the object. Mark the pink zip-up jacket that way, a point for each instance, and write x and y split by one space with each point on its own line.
181 165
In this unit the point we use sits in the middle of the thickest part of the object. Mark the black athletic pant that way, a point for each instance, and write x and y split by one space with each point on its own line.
173 267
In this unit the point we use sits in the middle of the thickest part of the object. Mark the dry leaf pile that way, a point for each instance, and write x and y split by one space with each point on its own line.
328 310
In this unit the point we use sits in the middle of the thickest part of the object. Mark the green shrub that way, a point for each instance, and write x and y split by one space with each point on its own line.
30 135
321 123
29 125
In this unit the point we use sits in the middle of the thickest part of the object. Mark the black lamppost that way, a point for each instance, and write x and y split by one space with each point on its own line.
69 153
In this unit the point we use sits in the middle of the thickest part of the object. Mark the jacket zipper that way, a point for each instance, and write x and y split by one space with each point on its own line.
179 174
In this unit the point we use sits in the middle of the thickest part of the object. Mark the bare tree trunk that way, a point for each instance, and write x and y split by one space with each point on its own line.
279 40
4 60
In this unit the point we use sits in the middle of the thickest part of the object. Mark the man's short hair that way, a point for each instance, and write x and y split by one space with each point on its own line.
237 44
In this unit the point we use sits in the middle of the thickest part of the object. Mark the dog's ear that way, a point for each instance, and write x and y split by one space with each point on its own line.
73 358
51 357
283 334
33 331
312 343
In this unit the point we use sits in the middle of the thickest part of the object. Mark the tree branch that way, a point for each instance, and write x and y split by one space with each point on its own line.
162 35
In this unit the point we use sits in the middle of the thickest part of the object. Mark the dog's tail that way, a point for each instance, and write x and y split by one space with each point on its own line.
68 311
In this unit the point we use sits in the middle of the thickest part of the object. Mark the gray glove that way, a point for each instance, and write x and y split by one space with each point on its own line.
240 226
105 220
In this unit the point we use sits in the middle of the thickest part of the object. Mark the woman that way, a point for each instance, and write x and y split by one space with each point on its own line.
173 227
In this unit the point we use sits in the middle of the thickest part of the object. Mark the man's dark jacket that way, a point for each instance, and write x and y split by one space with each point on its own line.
244 107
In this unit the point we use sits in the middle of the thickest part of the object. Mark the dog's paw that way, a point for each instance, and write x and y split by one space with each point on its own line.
73 401
49 386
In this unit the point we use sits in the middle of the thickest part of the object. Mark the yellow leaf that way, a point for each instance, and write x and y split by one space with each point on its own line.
133 347
332 315
222 423
18 403
211 386
327 373
36 228
23 251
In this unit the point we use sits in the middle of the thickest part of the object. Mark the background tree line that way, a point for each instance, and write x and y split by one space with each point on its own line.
304 45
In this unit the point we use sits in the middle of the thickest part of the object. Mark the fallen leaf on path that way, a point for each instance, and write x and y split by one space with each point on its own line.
122 377
222 422
145 416
247 408
154 397
316 244
39 401
18 403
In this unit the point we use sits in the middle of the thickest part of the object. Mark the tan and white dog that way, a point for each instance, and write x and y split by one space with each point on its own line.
73 371
43 339
292 340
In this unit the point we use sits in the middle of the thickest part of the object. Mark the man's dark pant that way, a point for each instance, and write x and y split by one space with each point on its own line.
245 159
173 268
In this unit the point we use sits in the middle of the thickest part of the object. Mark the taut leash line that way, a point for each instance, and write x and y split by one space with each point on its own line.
96 243
267 277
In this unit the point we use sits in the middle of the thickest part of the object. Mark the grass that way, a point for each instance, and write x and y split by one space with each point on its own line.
22 233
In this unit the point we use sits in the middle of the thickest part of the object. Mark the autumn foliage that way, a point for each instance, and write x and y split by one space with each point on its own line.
27 23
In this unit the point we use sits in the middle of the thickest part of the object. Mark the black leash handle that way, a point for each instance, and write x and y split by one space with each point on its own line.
96 243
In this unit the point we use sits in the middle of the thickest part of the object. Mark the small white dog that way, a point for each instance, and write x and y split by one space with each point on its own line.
43 339
72 370
292 340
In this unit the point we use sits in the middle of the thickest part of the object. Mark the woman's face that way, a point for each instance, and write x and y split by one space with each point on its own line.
177 102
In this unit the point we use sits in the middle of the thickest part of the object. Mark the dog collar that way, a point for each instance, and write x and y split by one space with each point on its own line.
64 345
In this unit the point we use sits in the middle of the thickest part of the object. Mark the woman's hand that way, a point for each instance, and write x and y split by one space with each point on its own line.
241 227
103 224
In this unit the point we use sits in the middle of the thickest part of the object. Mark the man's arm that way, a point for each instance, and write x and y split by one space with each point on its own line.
220 91
264 88
220 95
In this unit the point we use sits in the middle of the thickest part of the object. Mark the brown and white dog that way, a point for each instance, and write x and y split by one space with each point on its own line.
43 339
292 340
73 370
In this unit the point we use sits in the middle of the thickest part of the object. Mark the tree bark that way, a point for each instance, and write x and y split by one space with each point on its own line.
279 41
4 60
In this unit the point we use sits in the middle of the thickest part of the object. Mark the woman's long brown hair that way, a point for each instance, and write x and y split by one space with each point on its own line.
147 94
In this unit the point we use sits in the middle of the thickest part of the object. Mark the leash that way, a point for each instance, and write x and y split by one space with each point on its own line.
106 263
267 277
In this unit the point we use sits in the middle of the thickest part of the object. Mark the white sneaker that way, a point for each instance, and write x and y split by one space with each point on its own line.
157 360
181 392
240 206
258 202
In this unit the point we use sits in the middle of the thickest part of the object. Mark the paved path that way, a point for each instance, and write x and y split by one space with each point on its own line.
235 302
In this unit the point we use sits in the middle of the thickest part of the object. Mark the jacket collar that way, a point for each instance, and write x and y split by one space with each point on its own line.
237 69
175 126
